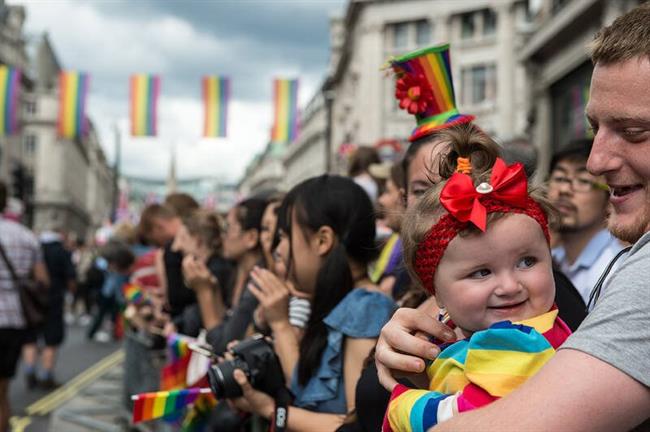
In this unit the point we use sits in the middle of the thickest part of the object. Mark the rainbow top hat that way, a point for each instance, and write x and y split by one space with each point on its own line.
425 88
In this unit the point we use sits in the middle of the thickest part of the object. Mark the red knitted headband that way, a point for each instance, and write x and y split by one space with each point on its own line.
507 192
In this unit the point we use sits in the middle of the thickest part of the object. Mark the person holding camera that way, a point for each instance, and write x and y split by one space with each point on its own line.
328 245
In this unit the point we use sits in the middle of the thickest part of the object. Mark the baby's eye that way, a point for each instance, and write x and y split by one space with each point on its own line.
527 262
478 274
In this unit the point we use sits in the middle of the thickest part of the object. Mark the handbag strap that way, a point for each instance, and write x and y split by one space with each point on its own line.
10 266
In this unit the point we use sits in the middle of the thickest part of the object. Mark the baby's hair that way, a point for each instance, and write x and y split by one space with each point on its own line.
465 141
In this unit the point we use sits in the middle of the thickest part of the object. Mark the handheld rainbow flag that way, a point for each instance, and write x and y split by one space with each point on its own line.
9 89
285 102
73 90
216 94
133 294
149 406
145 90
174 373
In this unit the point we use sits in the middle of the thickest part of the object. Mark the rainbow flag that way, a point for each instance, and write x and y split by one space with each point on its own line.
145 90
133 294
9 89
285 102
174 373
197 416
216 94
73 90
149 406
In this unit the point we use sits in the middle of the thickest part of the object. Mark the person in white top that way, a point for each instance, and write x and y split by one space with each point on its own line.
585 245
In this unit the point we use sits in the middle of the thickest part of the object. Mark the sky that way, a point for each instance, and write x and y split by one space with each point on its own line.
251 41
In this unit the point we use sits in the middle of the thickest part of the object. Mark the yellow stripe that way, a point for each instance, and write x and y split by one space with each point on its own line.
498 385
72 82
399 409
384 257
70 389
541 323
213 95
4 72
141 104
440 79
216 107
283 108
497 362
159 404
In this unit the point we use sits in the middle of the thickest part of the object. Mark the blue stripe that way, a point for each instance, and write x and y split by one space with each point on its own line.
512 338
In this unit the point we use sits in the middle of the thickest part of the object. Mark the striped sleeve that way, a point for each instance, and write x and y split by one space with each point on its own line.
411 410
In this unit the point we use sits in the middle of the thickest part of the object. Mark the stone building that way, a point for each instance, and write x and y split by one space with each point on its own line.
73 184
485 37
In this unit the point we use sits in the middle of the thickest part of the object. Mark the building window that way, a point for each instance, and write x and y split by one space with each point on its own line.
478 84
30 107
489 22
467 26
400 35
422 33
29 142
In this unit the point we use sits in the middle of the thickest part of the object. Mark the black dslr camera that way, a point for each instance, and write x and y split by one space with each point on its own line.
254 356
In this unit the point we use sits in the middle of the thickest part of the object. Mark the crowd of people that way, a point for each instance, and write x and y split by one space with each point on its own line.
402 297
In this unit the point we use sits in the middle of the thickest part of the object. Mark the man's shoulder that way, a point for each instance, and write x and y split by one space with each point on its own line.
16 232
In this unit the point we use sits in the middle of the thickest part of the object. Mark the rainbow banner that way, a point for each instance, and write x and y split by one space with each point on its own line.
149 406
285 102
9 89
216 94
145 90
73 90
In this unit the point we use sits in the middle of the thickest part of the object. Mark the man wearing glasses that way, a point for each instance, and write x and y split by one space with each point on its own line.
585 245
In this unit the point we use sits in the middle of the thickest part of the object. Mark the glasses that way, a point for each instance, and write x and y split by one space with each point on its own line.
578 184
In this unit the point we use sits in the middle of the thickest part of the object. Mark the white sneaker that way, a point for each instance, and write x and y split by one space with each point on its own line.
102 336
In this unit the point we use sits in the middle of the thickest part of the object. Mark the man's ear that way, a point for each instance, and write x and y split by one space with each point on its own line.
324 240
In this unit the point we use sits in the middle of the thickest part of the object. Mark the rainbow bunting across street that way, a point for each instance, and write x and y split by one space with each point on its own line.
149 406
9 88
145 90
216 94
73 90
285 103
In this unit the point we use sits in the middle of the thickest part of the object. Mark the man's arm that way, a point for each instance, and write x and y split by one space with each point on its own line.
573 392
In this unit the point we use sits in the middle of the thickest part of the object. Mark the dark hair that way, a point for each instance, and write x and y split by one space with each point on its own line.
397 175
521 150
3 196
118 253
576 150
361 159
249 214
183 204
341 204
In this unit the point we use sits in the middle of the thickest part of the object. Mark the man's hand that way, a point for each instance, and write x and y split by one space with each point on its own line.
404 343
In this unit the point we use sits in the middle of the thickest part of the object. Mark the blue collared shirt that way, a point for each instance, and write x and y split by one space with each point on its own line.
591 262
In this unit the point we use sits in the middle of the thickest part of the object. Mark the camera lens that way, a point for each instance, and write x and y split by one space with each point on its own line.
221 378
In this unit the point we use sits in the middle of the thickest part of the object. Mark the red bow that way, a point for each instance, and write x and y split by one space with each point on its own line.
414 93
462 200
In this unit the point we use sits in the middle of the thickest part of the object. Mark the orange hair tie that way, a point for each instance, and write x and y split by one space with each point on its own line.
463 165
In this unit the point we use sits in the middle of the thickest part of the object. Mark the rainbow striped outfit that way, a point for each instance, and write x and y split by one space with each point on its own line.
473 372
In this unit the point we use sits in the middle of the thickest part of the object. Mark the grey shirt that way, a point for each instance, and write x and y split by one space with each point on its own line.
617 331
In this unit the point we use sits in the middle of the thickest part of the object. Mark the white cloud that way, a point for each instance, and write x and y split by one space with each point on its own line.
111 47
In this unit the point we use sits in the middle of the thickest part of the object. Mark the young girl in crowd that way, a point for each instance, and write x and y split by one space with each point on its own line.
479 241
328 246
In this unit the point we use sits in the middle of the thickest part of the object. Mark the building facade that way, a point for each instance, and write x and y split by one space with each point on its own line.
73 184
489 81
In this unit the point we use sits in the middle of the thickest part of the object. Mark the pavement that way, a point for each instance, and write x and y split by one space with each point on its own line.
90 372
